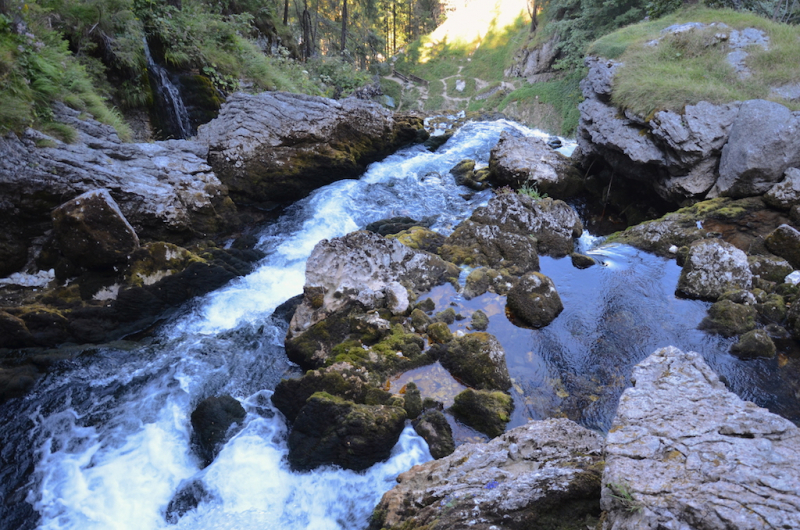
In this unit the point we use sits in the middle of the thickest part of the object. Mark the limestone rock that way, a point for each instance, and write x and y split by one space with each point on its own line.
539 475
786 193
764 142
713 267
331 431
691 454
484 411
755 343
534 301
517 161
93 232
420 238
277 147
211 421
435 430
368 269
478 360
784 241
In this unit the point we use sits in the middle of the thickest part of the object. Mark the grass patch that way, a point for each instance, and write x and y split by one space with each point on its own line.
393 89
435 96
469 89
563 94
690 67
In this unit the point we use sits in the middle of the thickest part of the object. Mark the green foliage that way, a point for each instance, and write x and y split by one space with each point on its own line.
579 22
336 76
621 492
787 11
564 94
690 67
531 191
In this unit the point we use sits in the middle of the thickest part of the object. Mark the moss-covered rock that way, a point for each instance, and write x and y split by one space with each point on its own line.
427 305
769 267
419 320
448 316
478 360
412 401
332 431
480 322
484 411
582 261
533 300
755 343
482 280
784 241
439 332
420 238
729 318
772 309
433 427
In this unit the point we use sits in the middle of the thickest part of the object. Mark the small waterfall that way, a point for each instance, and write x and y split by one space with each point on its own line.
169 98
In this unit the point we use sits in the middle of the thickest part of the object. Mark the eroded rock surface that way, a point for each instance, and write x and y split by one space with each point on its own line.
534 300
538 475
712 268
690 454
277 147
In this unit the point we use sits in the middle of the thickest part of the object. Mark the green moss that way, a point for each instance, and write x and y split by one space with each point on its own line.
728 318
487 412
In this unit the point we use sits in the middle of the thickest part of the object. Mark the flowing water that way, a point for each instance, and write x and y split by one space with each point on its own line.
104 441
169 98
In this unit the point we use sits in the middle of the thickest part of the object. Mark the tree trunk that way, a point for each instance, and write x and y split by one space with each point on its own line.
344 25
532 8
285 12
3 8
308 36
394 27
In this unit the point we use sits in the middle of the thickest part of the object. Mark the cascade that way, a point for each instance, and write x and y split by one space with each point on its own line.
106 441
169 97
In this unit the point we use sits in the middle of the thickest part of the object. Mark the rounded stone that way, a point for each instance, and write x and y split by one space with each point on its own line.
534 301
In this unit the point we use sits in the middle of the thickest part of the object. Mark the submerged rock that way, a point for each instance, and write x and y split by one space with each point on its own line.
534 301
712 268
545 474
212 421
484 411
277 147
332 431
684 452
519 161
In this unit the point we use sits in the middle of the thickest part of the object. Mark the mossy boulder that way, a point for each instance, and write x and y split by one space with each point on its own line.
784 241
482 280
769 267
772 309
332 431
480 322
480 245
478 360
433 427
448 316
533 301
420 321
755 343
439 332
728 319
582 261
793 321
412 401
393 225
484 411
420 238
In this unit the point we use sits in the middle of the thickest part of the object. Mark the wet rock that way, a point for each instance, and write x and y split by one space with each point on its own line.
480 245
420 320
769 267
187 498
545 474
534 301
582 261
480 322
93 232
394 225
518 161
448 316
784 241
763 144
793 321
13 253
772 309
478 360
13 332
439 333
366 269
331 431
755 343
729 318
341 380
420 238
691 454
482 280
427 305
484 411
464 173
212 420
712 268
412 400
433 427
277 147
786 193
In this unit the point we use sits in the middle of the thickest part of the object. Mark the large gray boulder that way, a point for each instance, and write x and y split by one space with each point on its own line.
764 142
92 231
518 161
534 300
712 268
277 147
166 190
684 452
365 268
535 476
